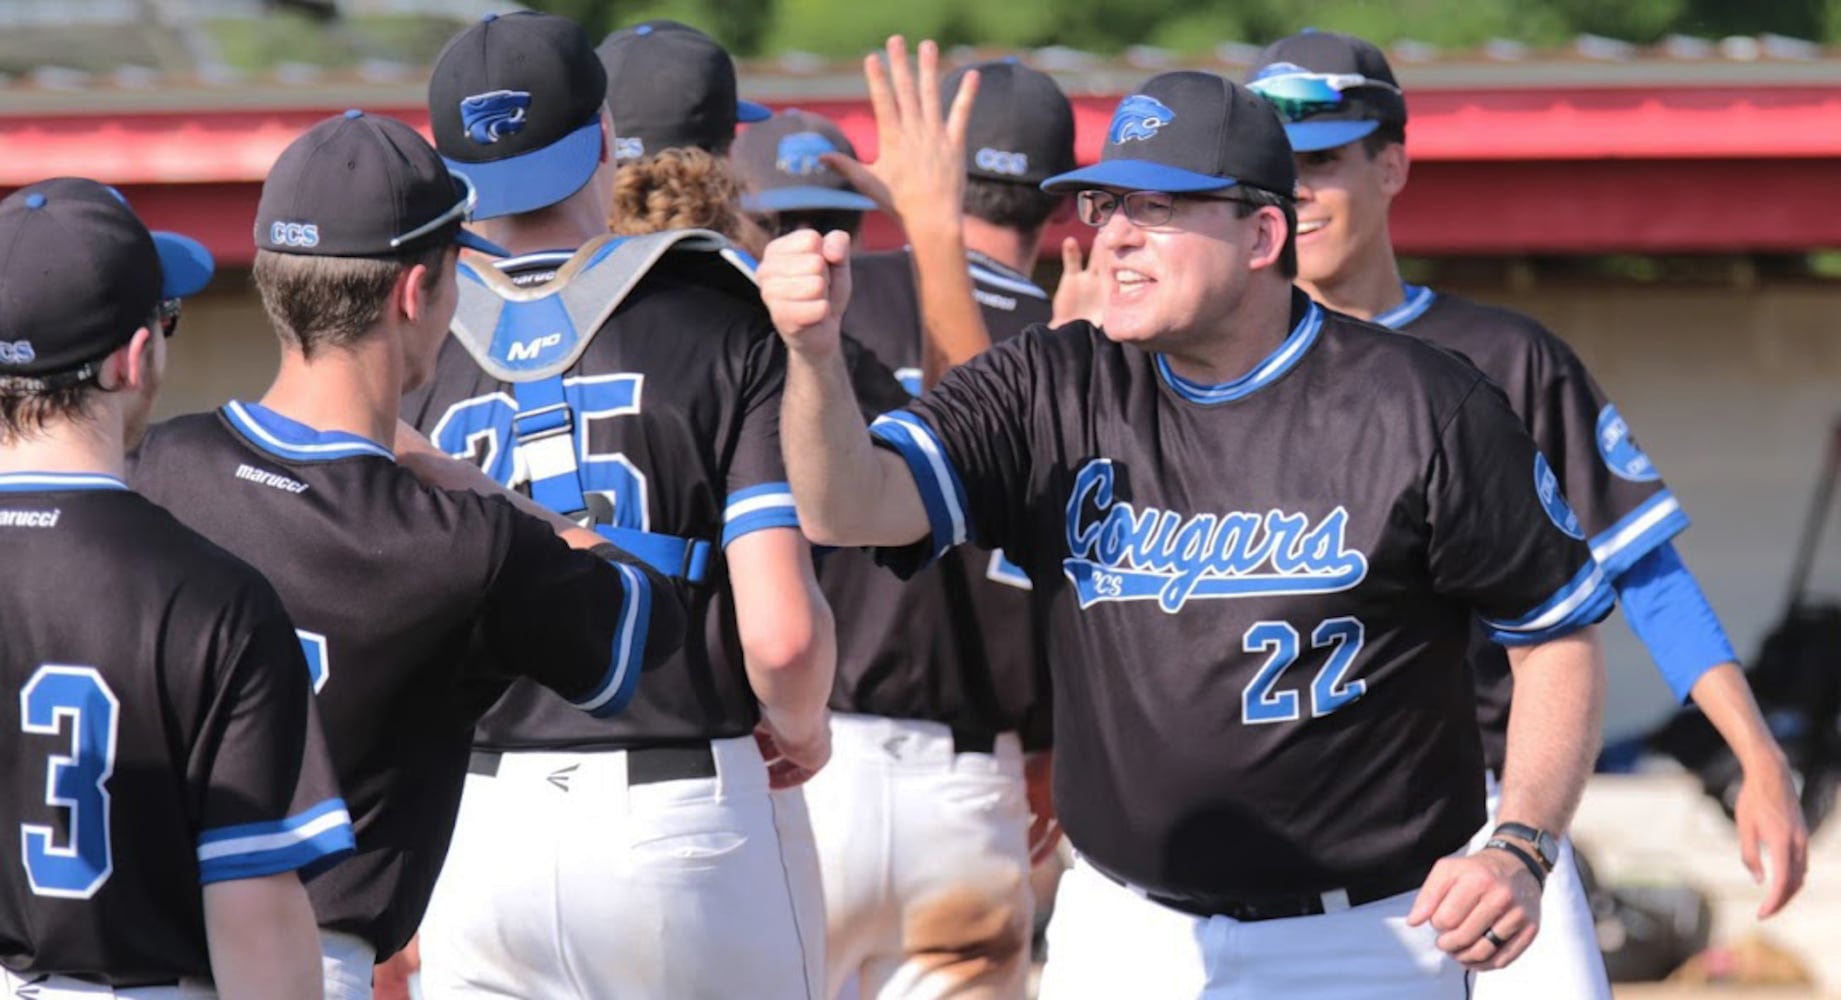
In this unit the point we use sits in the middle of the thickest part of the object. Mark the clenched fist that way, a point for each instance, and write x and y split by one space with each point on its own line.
805 282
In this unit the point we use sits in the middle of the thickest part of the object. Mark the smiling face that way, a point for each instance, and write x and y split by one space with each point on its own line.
1169 285
1343 198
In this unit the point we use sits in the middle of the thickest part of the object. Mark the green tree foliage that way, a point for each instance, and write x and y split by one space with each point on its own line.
851 27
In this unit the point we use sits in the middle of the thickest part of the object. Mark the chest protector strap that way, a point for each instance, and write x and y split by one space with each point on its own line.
530 336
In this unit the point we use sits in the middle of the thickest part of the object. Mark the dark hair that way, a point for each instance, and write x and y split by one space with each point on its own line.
28 405
1388 134
1022 207
1252 199
319 303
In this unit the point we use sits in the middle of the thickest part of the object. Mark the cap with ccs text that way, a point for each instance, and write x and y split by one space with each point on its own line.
670 85
1331 89
515 104
1189 131
79 274
1021 128
779 160
360 185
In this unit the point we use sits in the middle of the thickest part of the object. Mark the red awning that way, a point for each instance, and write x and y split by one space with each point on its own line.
1561 170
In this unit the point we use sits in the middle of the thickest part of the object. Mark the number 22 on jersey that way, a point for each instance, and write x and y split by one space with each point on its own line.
54 698
1329 691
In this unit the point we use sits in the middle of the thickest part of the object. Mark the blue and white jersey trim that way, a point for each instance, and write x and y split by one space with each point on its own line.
295 441
58 482
1268 371
769 505
1584 599
1419 298
615 691
992 278
942 493
254 850
1638 533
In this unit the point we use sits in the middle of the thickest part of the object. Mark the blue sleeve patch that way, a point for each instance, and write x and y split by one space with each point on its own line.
942 493
615 692
1553 499
1619 450
1668 611
1638 533
309 839
1584 599
769 505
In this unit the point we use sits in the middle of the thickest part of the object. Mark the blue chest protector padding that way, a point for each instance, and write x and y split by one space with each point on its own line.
530 336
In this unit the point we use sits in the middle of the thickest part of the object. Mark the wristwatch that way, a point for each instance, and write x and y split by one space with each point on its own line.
1545 844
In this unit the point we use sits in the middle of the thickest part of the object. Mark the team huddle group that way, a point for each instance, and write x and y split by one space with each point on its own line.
625 589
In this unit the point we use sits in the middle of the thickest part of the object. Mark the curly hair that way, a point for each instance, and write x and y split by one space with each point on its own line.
681 188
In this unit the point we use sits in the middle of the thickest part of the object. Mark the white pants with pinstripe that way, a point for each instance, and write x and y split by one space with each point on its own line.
565 882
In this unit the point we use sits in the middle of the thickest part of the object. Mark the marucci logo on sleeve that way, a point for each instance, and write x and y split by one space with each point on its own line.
30 518
1122 553
270 479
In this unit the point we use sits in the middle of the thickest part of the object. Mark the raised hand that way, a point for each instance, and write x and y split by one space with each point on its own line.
919 173
805 282
1081 295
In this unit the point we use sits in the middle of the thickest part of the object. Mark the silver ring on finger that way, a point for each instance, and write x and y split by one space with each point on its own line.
1493 938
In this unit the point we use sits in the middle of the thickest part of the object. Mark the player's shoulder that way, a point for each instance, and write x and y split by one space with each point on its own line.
191 573
695 289
1483 332
178 435
1412 368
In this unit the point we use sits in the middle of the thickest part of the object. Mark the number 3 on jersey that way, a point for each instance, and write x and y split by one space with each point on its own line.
480 429
1331 689
57 695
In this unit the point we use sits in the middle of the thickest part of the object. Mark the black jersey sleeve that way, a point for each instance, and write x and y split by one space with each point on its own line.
1502 537
266 797
1626 509
758 495
966 443
575 621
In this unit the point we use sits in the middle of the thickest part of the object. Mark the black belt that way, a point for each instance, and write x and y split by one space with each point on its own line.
644 765
121 983
1251 907
966 741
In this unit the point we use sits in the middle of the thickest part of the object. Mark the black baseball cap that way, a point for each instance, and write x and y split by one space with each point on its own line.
515 104
670 85
361 185
79 274
186 266
1189 131
779 161
1331 89
1022 126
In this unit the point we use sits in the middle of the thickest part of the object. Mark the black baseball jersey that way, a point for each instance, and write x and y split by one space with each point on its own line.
415 607
157 733
1258 593
1623 504
678 396
954 643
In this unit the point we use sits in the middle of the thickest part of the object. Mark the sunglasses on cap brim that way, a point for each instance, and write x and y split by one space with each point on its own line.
459 213
1300 95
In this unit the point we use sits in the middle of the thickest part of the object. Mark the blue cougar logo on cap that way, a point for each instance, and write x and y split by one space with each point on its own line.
799 154
494 115
1139 117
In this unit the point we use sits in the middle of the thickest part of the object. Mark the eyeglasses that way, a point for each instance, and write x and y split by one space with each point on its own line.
458 213
1298 94
168 317
1142 208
